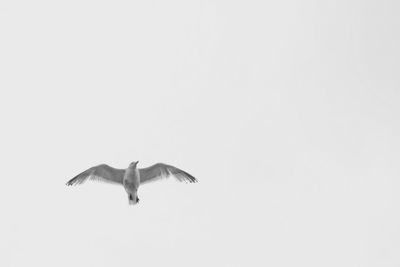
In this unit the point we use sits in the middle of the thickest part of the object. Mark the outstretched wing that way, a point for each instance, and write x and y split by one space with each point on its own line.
161 170
102 173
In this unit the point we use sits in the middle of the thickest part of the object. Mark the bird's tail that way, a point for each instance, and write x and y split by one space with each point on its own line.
132 201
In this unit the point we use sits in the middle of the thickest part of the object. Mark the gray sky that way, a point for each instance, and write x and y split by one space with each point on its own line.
287 112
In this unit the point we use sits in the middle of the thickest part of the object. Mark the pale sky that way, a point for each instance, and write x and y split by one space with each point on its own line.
287 112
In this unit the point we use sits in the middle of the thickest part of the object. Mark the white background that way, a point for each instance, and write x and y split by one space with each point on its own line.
286 111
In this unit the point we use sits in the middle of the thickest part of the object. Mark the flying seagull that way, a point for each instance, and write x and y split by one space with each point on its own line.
131 177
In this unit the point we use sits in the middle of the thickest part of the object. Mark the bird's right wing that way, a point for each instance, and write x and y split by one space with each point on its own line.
102 173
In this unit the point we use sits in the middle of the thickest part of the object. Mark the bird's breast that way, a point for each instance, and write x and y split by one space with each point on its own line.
131 178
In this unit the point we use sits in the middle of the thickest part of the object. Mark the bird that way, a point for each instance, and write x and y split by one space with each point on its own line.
132 177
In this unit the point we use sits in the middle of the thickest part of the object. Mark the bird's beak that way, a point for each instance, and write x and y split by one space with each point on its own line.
137 162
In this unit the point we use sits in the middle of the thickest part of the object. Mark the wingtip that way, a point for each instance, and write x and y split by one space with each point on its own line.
192 179
71 182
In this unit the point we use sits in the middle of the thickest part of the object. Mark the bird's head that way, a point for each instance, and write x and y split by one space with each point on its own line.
134 163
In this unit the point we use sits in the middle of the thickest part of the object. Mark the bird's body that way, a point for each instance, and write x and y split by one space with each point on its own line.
131 182
132 177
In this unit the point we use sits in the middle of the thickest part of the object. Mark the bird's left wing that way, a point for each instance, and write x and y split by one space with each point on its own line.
161 170
101 172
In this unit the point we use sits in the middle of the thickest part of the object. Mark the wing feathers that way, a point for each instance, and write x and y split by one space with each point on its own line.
103 173
161 170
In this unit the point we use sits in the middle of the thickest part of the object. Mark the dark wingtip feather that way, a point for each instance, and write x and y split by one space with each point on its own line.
80 178
190 178
75 180
70 182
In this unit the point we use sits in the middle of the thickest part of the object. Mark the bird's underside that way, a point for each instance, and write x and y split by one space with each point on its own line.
112 175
